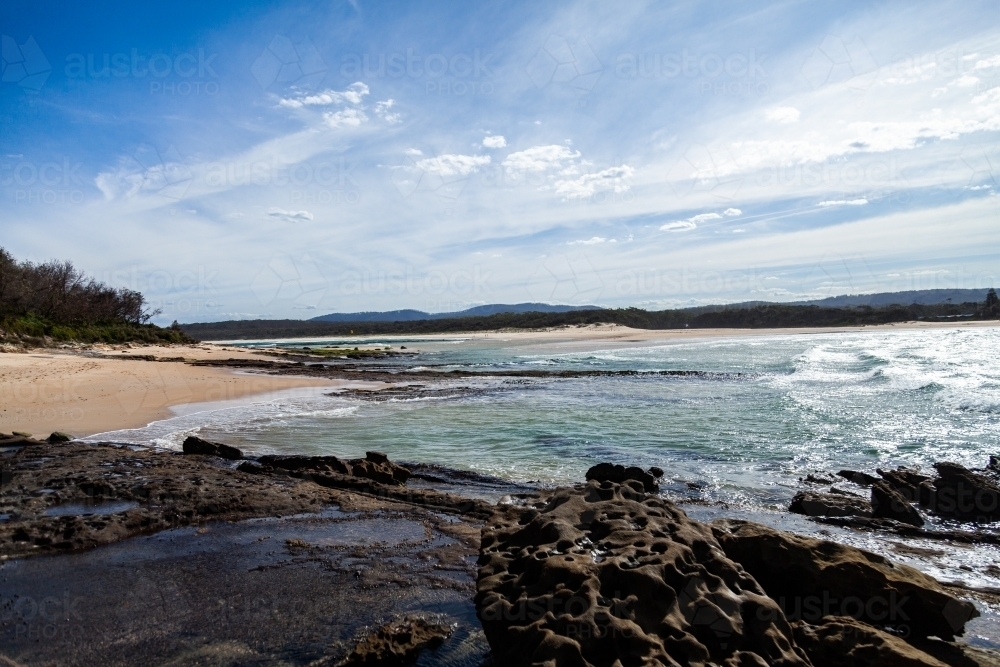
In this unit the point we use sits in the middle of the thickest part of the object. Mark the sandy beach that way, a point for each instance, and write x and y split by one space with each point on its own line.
87 393
84 392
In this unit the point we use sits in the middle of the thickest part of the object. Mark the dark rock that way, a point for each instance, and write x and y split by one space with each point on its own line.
315 463
656 472
963 494
603 574
195 445
815 479
859 478
842 492
823 504
398 643
58 436
813 578
378 467
994 465
610 472
890 503
842 641
898 481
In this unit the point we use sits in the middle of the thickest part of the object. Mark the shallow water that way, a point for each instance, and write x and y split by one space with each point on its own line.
764 412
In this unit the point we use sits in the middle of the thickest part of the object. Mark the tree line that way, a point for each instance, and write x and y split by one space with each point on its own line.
771 315
62 294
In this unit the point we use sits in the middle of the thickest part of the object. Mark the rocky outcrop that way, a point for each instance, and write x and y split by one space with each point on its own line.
842 641
813 578
961 493
58 436
375 466
810 503
889 503
859 478
195 445
397 644
602 574
619 474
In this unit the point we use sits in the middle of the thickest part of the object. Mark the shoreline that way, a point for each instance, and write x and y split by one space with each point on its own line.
109 388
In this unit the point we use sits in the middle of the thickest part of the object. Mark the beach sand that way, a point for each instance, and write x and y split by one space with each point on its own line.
83 394
108 388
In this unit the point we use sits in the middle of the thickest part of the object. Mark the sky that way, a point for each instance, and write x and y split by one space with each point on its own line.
290 159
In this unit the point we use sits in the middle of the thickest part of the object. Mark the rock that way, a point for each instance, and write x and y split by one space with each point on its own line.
898 481
195 445
824 504
21 434
994 465
859 478
656 472
619 474
398 643
58 436
889 503
315 463
842 641
818 479
961 493
376 457
813 578
603 574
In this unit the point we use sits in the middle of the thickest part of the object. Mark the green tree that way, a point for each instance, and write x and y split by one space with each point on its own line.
992 306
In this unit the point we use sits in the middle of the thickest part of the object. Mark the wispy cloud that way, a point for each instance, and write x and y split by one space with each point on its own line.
843 202
289 216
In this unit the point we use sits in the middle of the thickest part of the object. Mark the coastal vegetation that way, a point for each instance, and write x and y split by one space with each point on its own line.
755 316
54 302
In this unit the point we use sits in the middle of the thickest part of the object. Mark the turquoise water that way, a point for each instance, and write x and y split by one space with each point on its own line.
765 411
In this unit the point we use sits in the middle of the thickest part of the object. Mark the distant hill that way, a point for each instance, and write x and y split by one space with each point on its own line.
478 311
925 297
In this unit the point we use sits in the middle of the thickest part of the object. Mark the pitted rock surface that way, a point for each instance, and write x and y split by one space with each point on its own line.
804 574
602 574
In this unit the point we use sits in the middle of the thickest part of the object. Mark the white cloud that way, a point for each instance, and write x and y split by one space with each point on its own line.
966 81
986 63
678 226
453 165
289 216
739 231
540 158
843 202
496 141
382 110
345 118
704 217
591 241
783 115
589 184
732 212
413 152
354 94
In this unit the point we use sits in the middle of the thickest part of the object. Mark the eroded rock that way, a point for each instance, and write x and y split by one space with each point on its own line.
813 578
601 573
375 466
963 494
396 644
842 641
859 478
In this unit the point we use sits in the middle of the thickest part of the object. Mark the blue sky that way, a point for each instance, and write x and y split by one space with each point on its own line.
287 159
